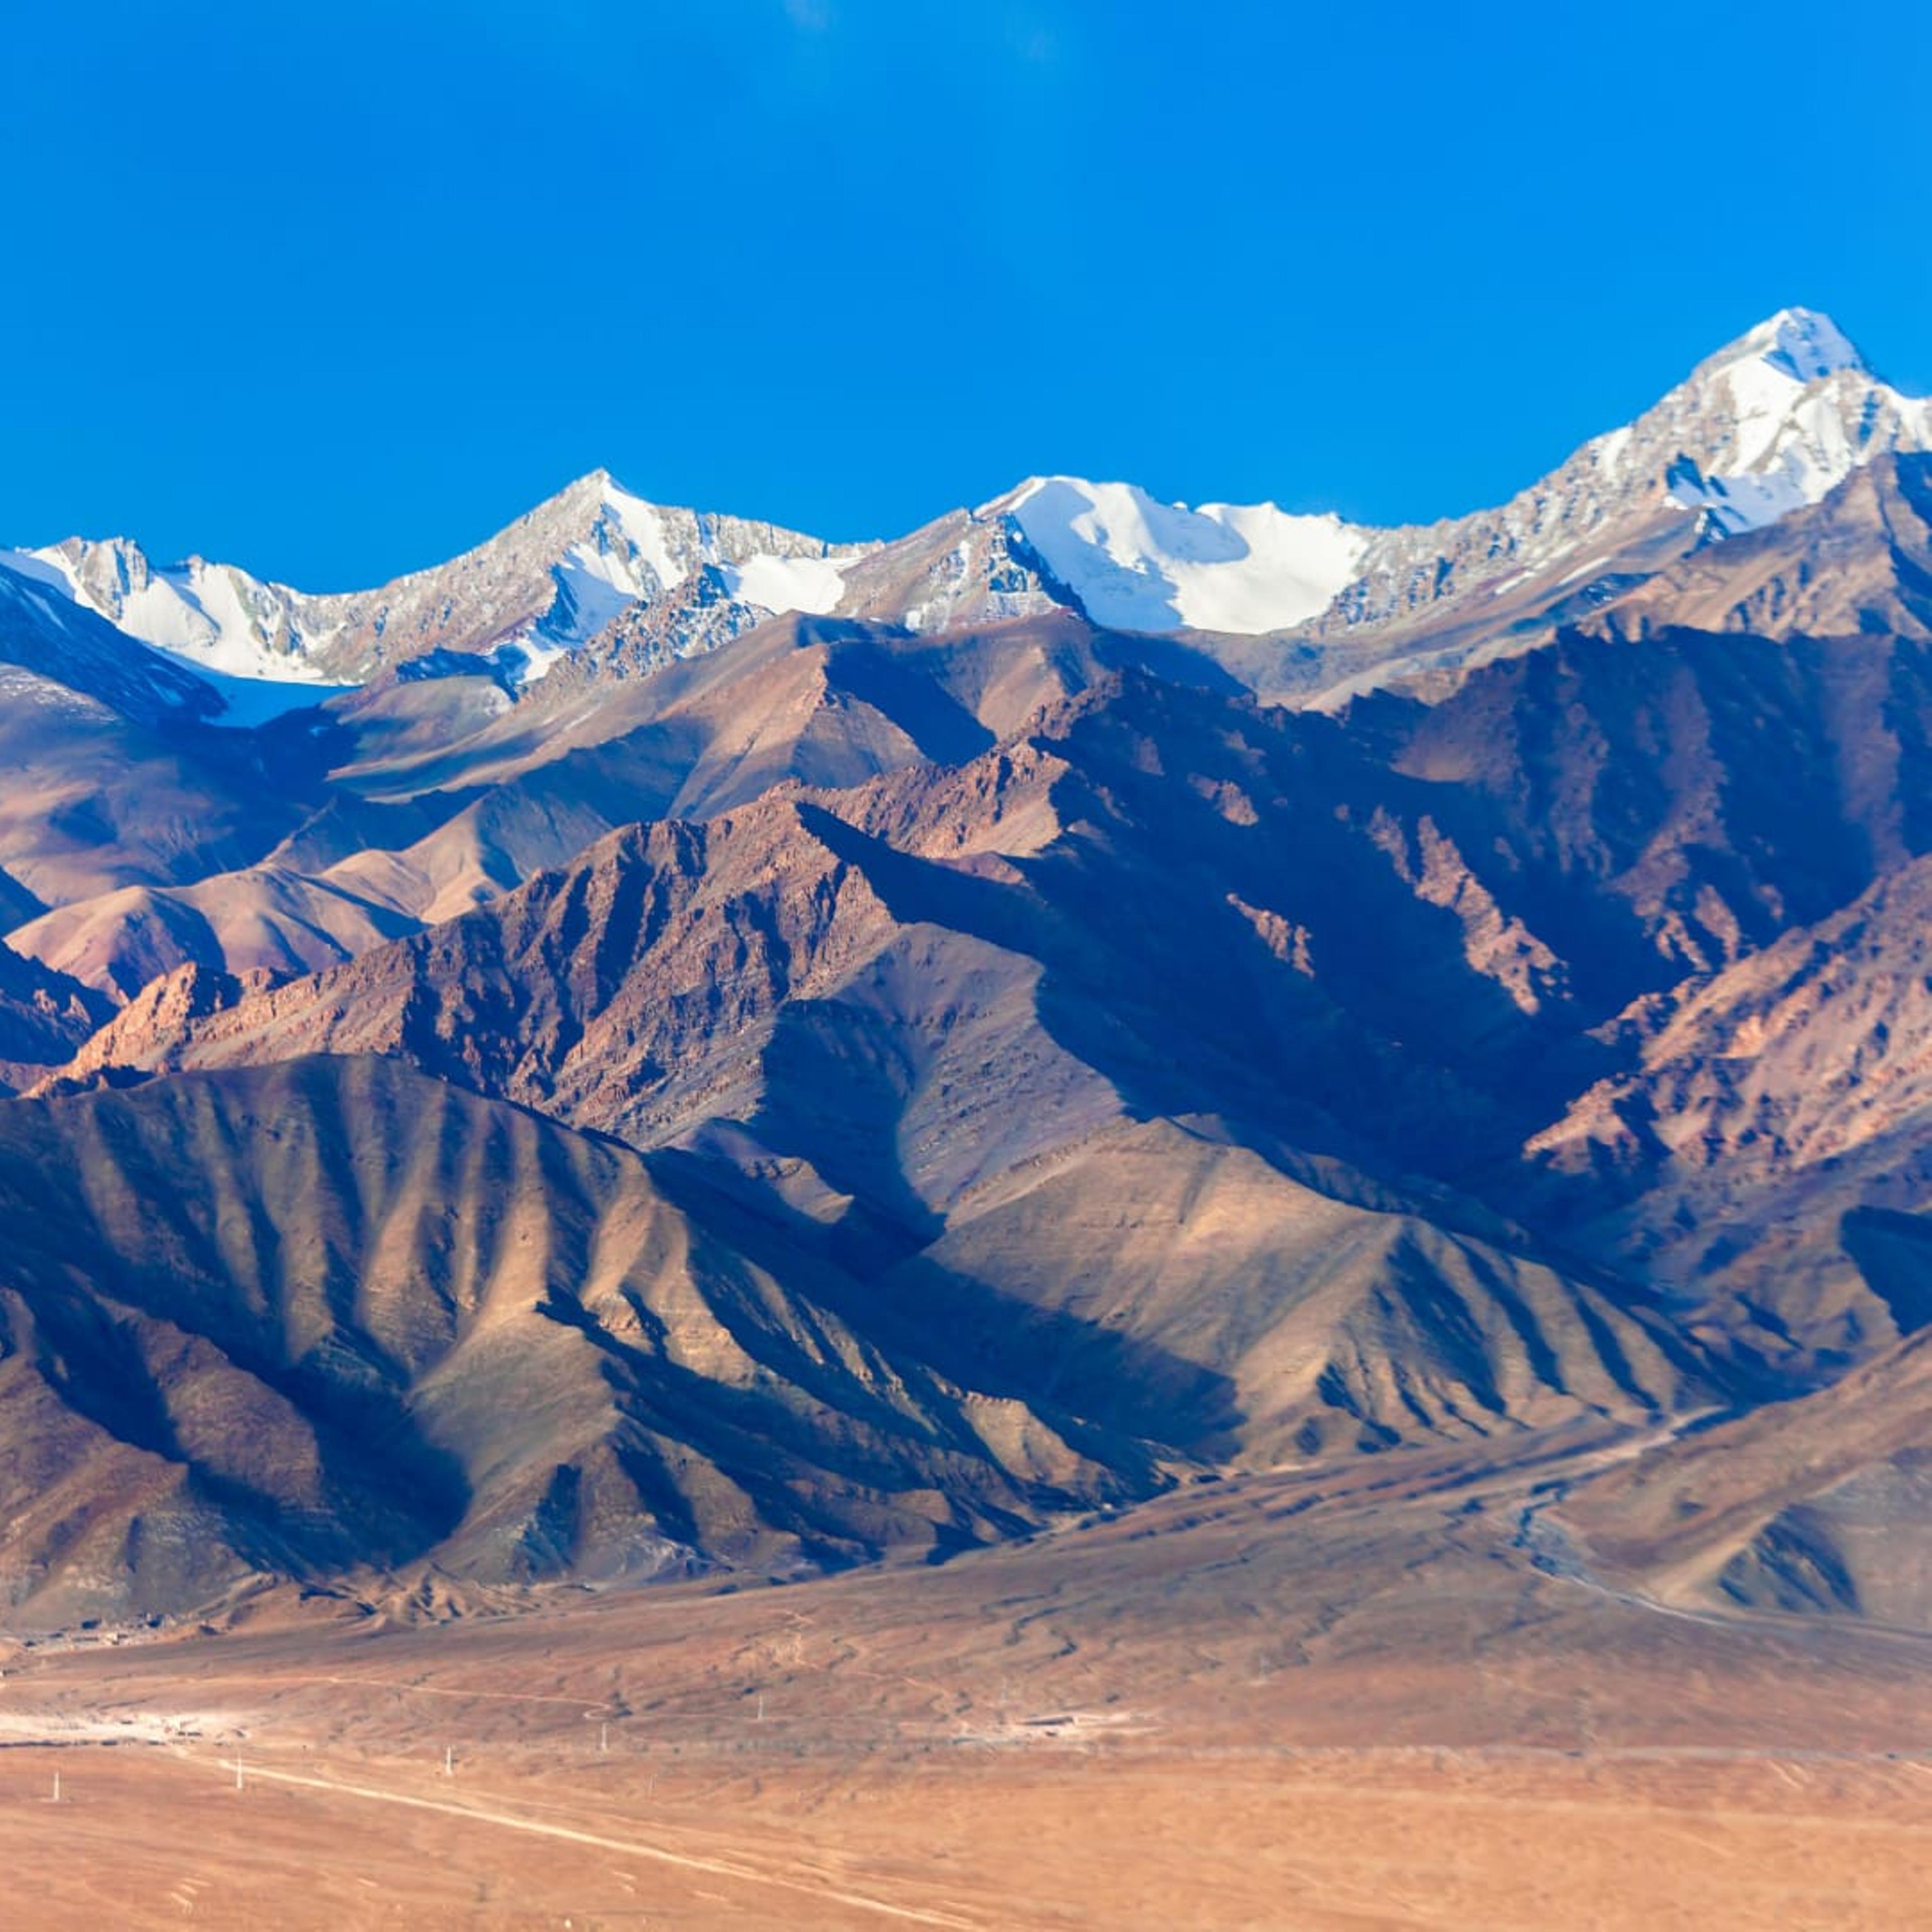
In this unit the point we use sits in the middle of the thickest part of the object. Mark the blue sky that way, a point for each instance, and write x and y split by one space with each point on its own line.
333 292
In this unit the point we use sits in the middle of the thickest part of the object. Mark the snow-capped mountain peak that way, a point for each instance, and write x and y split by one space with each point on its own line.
1801 344
537 592
1769 425
1779 418
625 556
633 555
635 552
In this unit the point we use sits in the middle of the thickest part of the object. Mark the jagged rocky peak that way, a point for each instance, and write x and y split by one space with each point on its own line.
599 576
540 589
1778 418
1767 425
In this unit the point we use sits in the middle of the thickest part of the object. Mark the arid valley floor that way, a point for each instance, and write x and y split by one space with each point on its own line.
1381 1697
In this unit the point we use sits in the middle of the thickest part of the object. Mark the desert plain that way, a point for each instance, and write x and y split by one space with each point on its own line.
1378 1696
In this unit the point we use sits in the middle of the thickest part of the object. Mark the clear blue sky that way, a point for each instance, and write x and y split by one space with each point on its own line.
335 291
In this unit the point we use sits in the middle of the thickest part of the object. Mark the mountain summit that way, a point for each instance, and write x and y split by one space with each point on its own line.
541 588
1769 425
1799 343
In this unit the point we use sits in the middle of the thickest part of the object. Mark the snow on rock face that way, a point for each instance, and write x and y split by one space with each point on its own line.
1792 410
543 588
636 554
1139 565
218 618
44 633
1804 345
1767 426
70 640
1770 425
624 558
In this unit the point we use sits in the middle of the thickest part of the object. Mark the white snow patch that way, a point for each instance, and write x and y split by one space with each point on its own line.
1145 566
1804 345
626 559
211 616
592 590
642 528
811 585
1610 448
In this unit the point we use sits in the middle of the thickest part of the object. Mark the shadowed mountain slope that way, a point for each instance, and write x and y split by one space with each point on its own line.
1400 934
44 1016
329 1315
824 703
1326 1313
116 772
916 1015
1767 1107
1816 1506
1859 562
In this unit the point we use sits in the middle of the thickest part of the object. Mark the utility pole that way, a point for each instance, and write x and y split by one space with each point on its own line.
603 1737
449 1761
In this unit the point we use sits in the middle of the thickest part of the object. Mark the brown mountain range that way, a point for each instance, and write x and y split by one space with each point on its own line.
862 1085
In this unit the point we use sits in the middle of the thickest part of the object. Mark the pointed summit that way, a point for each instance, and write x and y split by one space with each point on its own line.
1776 420
1801 344
1807 345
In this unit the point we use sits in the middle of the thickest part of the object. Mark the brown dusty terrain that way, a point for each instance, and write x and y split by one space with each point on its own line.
1360 1699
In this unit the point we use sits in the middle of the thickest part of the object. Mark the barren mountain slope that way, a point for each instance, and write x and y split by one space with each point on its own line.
1143 1069
1819 1504
828 703
94 802
1860 561
1766 1108
44 1016
737 719
328 1314
262 920
1394 931
906 1021
1295 1315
